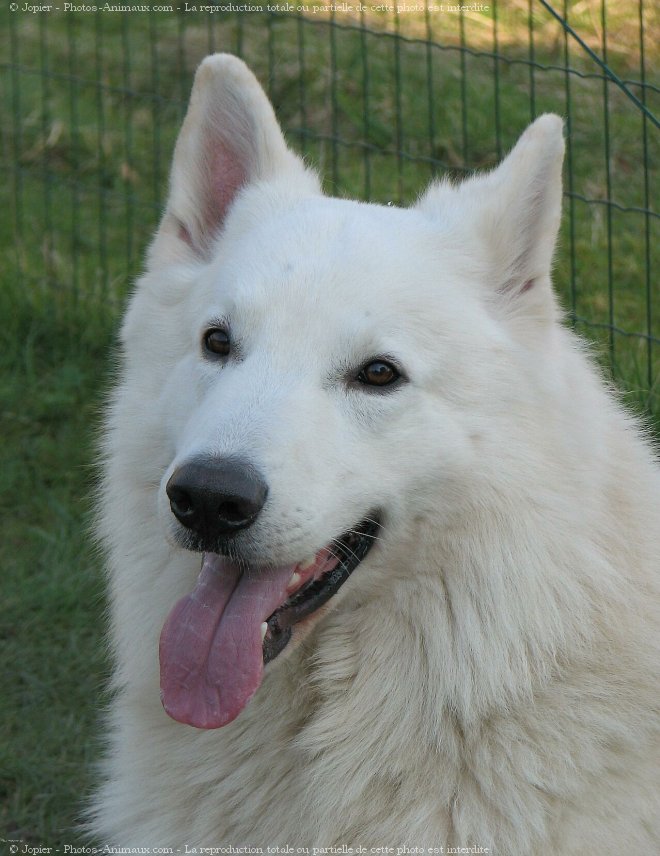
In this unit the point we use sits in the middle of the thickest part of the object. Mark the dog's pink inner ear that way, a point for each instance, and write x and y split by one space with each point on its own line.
226 172
223 171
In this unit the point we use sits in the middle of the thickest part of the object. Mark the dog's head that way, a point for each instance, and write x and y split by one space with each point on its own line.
323 371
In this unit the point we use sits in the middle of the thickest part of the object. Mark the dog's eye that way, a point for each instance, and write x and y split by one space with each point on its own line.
378 373
217 342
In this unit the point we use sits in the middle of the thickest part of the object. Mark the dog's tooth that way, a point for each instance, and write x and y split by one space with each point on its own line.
264 629
307 563
295 579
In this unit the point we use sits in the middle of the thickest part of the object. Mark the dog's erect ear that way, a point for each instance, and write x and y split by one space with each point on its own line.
230 138
513 213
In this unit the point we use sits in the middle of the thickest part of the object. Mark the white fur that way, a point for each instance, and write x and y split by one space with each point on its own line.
488 677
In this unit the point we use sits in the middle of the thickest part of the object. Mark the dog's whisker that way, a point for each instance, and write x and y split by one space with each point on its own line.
346 550
363 534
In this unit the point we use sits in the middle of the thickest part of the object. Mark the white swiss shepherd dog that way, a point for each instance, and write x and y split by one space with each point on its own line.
429 536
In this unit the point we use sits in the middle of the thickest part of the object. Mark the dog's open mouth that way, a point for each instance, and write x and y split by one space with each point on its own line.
317 584
216 640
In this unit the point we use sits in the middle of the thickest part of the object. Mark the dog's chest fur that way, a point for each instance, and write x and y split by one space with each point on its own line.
319 759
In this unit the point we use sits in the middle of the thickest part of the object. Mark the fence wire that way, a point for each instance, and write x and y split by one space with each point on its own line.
380 101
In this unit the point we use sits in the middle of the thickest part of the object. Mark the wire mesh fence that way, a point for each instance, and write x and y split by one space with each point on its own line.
381 97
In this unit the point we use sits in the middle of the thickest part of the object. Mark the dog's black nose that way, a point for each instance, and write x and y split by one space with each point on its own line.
216 498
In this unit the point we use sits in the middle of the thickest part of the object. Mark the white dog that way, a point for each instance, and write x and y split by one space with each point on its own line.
427 614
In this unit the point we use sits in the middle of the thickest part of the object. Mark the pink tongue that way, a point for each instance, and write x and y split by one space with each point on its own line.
211 656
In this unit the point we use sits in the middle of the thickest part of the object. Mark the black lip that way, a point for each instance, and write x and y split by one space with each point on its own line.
352 549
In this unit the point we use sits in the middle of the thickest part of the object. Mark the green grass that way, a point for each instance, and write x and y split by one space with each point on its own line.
89 117
52 663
